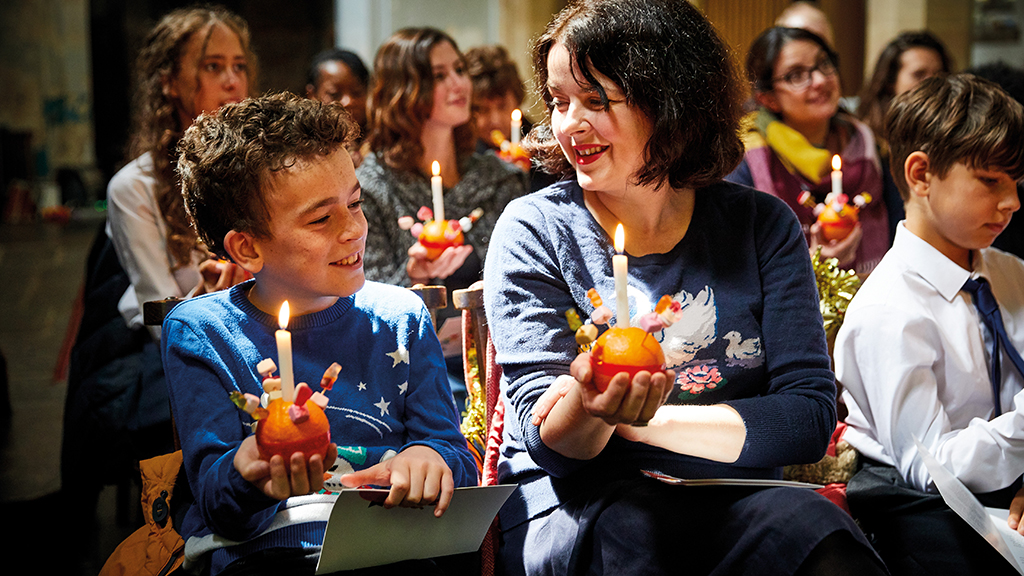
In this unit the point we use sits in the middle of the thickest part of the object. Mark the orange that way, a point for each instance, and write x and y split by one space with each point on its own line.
438 235
837 225
628 350
277 434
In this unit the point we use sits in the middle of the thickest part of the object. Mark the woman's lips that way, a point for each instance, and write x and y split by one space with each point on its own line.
589 153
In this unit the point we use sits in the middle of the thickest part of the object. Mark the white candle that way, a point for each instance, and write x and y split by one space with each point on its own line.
284 355
837 176
517 126
437 191
620 268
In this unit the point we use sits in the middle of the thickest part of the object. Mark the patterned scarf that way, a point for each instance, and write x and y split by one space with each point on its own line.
784 163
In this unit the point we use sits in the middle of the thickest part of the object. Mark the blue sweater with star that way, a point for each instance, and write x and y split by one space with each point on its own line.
750 335
392 393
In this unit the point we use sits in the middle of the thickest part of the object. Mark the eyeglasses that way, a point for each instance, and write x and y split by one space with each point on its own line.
800 78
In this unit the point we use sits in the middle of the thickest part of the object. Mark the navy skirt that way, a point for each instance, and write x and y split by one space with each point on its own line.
646 527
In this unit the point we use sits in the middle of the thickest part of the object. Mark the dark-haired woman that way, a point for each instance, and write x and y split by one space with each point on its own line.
904 62
791 138
643 117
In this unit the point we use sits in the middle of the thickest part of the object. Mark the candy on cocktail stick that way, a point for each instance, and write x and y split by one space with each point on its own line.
326 383
601 314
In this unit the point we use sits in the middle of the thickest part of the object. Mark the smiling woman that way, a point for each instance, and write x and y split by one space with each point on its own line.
643 123
797 129
420 115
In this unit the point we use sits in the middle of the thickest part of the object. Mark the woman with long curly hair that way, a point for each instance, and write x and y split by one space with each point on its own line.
420 112
193 61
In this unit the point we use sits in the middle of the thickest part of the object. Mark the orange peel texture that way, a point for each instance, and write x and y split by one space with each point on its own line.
439 235
277 434
628 350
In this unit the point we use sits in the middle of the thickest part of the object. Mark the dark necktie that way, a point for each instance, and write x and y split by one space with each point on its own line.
988 308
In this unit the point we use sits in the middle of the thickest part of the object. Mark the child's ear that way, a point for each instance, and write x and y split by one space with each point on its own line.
915 170
768 100
241 246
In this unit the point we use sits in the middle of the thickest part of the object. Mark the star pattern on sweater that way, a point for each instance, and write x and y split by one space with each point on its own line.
400 355
403 387
383 405
362 386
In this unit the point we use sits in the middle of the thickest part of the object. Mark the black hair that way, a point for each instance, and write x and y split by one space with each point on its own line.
765 49
671 65
349 58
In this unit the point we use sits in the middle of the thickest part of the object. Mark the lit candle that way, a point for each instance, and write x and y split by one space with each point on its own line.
620 267
284 355
517 126
437 191
837 176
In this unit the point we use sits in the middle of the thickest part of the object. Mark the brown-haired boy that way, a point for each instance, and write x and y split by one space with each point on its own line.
915 355
269 183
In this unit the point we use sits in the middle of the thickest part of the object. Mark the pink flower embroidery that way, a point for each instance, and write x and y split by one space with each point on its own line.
696 378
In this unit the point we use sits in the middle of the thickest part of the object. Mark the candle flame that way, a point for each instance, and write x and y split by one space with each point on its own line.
436 168
837 163
517 115
282 317
620 239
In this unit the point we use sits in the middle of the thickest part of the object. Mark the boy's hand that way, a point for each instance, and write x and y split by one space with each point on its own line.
420 269
279 479
1016 511
844 250
418 477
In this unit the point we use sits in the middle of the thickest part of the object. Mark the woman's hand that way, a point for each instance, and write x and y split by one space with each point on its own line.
418 477
555 392
844 250
217 275
281 480
576 420
421 270
623 402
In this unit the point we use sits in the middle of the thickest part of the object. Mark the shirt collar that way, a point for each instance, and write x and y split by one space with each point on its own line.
946 276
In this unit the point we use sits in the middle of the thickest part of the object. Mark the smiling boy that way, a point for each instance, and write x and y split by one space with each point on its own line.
914 354
269 183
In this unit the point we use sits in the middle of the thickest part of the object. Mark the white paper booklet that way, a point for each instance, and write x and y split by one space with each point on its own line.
362 533
726 481
989 522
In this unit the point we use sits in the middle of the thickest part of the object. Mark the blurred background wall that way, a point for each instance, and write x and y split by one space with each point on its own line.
65 64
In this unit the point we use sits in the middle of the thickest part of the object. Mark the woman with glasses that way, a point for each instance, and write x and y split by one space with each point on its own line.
793 134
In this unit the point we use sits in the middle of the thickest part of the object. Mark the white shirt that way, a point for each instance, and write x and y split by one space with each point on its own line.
912 356
139 233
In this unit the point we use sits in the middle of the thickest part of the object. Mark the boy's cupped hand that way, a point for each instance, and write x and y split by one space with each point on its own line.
279 479
418 477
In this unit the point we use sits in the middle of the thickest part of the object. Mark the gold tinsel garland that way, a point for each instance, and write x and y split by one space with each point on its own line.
474 421
836 288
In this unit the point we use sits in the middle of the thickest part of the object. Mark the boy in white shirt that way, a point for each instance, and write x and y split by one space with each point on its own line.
914 355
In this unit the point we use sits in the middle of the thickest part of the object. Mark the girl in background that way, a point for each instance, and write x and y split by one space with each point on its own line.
903 64
193 61
420 113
